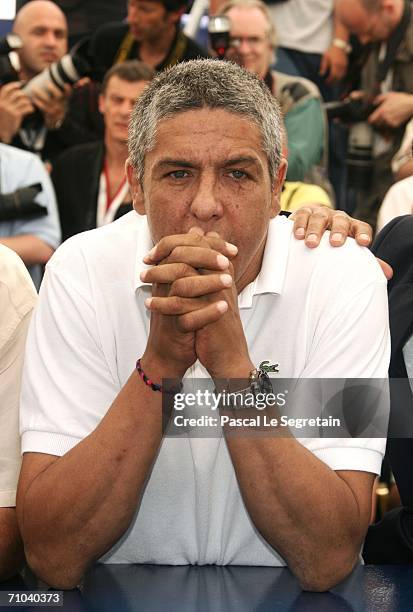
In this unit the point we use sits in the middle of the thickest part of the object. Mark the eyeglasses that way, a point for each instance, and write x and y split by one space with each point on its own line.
252 41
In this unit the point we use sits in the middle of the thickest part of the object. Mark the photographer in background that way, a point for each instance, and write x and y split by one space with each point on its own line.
42 28
251 45
152 34
34 121
29 223
386 82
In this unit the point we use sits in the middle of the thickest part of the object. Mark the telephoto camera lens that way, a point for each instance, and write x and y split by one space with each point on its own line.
360 156
68 70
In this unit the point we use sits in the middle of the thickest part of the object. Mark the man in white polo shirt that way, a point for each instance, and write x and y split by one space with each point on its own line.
225 288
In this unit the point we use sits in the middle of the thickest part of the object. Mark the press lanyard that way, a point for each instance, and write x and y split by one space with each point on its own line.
107 207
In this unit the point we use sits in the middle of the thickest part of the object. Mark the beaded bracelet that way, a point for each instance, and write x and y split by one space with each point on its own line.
154 386
147 380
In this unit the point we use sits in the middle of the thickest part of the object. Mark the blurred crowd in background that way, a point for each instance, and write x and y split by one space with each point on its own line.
70 72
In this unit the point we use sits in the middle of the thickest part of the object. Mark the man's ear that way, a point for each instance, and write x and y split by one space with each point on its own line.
136 189
277 188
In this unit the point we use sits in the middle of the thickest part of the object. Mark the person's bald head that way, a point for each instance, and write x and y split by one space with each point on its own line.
370 20
42 26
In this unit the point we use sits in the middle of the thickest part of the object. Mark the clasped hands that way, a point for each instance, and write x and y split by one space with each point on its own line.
194 306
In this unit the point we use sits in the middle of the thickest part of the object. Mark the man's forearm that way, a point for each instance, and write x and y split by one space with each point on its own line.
301 507
340 30
79 506
11 546
30 248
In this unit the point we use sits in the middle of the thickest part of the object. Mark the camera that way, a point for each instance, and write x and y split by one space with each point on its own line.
9 59
218 31
68 70
359 160
349 110
20 204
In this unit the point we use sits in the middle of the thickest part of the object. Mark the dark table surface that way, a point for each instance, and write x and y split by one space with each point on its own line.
151 588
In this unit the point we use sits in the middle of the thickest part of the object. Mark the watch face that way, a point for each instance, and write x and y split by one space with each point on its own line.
264 383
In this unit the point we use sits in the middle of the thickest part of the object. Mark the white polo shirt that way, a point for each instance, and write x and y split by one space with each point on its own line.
318 313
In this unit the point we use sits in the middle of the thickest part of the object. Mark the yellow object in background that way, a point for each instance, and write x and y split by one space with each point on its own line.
297 194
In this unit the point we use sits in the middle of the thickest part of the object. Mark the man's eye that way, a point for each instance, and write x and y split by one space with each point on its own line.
238 174
178 174
147 10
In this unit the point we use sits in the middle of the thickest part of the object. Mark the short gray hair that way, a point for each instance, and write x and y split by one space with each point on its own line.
201 84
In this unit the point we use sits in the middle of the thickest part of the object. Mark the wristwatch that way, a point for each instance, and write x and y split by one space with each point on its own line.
259 383
342 44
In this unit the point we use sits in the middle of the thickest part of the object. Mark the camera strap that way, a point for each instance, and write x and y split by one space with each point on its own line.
393 45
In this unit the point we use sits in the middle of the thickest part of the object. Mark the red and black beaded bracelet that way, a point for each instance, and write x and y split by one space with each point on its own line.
146 380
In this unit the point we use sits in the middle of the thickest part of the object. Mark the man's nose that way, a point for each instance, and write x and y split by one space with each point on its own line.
244 46
205 204
126 108
50 39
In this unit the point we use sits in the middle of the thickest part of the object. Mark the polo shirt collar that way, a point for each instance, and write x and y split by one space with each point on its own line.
274 264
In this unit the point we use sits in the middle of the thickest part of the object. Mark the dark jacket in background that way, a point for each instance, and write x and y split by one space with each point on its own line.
76 177
391 540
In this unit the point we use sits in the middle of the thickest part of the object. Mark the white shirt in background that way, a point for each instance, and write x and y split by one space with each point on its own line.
398 201
304 25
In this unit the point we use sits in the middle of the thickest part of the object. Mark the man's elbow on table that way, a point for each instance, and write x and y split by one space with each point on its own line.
327 574
11 547
57 572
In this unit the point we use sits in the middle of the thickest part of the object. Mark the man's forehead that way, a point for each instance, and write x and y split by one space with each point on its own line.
122 87
207 136
249 19
194 124
48 23
42 17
